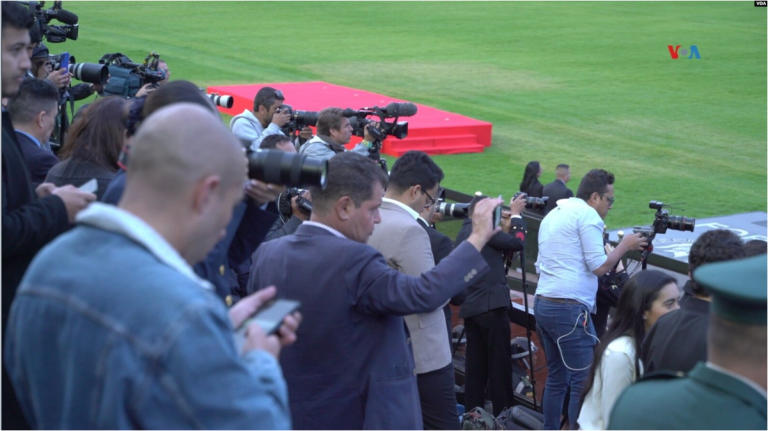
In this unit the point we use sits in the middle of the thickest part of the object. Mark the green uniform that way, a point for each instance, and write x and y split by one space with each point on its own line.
705 399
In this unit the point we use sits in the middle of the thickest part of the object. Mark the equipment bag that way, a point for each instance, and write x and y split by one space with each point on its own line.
124 81
479 419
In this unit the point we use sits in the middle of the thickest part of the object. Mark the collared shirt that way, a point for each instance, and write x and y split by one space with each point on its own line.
29 136
326 227
570 248
737 376
410 210
113 219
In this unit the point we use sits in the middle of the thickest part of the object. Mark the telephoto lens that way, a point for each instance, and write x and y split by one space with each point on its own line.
91 73
224 101
288 169
681 223
453 210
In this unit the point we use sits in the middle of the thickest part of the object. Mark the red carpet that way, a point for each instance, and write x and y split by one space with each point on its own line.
430 130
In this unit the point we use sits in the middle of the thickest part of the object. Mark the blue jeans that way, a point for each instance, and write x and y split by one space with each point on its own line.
569 355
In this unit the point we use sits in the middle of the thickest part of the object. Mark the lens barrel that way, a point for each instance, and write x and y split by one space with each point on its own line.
681 223
288 169
223 101
453 210
90 72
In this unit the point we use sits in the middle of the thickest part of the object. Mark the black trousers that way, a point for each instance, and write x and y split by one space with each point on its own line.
488 360
438 399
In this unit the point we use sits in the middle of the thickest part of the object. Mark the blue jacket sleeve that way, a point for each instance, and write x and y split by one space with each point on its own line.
378 289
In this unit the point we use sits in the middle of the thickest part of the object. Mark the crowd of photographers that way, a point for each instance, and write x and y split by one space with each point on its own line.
152 274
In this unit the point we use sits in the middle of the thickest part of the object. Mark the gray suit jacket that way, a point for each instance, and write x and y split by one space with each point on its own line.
406 247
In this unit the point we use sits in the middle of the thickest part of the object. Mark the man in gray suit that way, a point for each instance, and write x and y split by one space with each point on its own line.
413 185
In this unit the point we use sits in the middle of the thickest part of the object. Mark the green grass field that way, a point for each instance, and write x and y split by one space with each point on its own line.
590 84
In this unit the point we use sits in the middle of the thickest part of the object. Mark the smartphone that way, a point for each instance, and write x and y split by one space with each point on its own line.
270 316
90 186
497 215
64 61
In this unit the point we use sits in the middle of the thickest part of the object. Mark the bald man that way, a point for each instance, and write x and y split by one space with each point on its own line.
93 342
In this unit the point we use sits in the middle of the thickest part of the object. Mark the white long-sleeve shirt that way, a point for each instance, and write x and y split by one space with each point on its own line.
617 371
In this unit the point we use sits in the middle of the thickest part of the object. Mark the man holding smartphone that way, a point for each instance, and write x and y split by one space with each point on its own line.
138 339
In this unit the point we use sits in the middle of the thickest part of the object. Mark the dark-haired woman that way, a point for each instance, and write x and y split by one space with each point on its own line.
531 185
647 296
92 147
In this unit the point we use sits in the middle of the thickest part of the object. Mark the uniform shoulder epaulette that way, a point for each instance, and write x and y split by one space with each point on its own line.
661 375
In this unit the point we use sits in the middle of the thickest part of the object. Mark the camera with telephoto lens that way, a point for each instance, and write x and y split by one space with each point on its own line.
284 203
54 33
91 73
299 119
288 169
662 222
532 202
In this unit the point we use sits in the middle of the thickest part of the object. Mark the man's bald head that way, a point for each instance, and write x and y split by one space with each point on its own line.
179 145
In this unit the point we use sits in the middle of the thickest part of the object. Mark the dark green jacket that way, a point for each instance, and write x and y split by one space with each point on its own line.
705 399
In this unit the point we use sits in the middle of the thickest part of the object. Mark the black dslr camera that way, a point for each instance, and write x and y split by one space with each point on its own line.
91 73
532 202
299 119
288 169
284 203
54 33
662 222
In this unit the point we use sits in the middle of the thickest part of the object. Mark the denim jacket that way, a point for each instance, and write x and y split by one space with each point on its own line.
107 332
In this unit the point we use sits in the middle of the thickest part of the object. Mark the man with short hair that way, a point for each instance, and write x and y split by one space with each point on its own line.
571 257
138 340
266 118
678 340
486 313
32 217
333 132
296 217
728 391
352 367
414 184
33 112
557 190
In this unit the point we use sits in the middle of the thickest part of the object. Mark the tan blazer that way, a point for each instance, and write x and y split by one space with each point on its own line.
405 245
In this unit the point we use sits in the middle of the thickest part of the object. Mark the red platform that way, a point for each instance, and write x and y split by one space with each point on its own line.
430 130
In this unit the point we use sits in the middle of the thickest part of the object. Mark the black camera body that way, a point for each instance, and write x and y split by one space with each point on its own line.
54 33
663 221
284 204
532 202
299 119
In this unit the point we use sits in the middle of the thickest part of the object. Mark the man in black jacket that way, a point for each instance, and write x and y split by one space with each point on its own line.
31 217
488 357
33 113
557 190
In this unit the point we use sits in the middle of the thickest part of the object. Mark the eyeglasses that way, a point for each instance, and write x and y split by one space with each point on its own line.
430 200
610 199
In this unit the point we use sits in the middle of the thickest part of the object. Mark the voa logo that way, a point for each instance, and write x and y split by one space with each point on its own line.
676 52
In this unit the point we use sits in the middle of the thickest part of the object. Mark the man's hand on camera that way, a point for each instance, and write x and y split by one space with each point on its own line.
482 222
306 133
59 78
295 206
367 136
516 206
262 192
281 117
146 90
634 241
255 338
